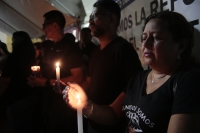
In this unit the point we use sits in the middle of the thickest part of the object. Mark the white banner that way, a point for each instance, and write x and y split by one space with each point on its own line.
134 13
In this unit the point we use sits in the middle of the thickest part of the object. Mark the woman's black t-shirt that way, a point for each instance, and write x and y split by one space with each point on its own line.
151 113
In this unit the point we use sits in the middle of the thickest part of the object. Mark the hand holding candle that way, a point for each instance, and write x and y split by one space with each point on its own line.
35 71
70 96
76 98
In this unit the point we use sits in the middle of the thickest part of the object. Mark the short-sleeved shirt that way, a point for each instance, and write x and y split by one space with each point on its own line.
60 117
66 53
110 70
151 113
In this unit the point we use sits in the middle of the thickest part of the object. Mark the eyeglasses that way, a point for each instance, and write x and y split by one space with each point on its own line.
94 16
45 24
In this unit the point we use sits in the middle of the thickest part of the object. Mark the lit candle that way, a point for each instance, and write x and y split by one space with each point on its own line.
58 74
79 115
35 70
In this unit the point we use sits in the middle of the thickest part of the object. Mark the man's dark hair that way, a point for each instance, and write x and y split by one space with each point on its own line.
86 30
55 16
70 37
110 6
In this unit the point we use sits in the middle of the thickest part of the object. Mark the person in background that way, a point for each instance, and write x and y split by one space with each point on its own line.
57 116
87 48
86 40
163 99
3 54
19 96
38 52
71 37
3 50
111 64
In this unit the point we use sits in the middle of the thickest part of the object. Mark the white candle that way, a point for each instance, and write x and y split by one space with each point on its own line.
79 115
58 74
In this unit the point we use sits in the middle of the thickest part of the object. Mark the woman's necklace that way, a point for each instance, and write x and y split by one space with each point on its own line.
153 79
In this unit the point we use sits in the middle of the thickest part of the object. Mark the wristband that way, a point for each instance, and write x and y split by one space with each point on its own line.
88 109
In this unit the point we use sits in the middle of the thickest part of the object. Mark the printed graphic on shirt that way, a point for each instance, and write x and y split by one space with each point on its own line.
136 116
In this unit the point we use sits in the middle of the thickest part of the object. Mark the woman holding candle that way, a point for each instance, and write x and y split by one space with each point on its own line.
162 99
20 98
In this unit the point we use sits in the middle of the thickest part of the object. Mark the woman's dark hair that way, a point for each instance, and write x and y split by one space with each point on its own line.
180 29
3 46
23 46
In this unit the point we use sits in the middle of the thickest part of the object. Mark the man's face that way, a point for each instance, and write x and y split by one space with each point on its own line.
48 28
99 21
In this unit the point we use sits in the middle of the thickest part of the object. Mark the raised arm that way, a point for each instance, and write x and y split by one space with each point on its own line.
102 114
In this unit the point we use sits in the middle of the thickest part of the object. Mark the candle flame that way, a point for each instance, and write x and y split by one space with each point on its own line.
57 64
78 97
35 68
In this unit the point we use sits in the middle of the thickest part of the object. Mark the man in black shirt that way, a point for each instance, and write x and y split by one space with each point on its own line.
112 64
58 117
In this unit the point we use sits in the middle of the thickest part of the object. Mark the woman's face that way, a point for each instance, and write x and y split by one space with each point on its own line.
158 47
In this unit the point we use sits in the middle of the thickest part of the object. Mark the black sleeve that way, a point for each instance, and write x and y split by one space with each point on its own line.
75 56
129 61
187 96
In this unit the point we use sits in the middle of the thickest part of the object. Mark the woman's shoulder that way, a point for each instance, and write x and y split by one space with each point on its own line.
186 71
191 74
139 76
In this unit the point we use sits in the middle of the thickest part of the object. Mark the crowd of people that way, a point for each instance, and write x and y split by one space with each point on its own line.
116 94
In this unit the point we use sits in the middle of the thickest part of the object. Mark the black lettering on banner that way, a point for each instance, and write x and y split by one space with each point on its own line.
121 25
132 40
137 23
125 24
188 2
143 17
154 6
162 5
172 4
130 21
